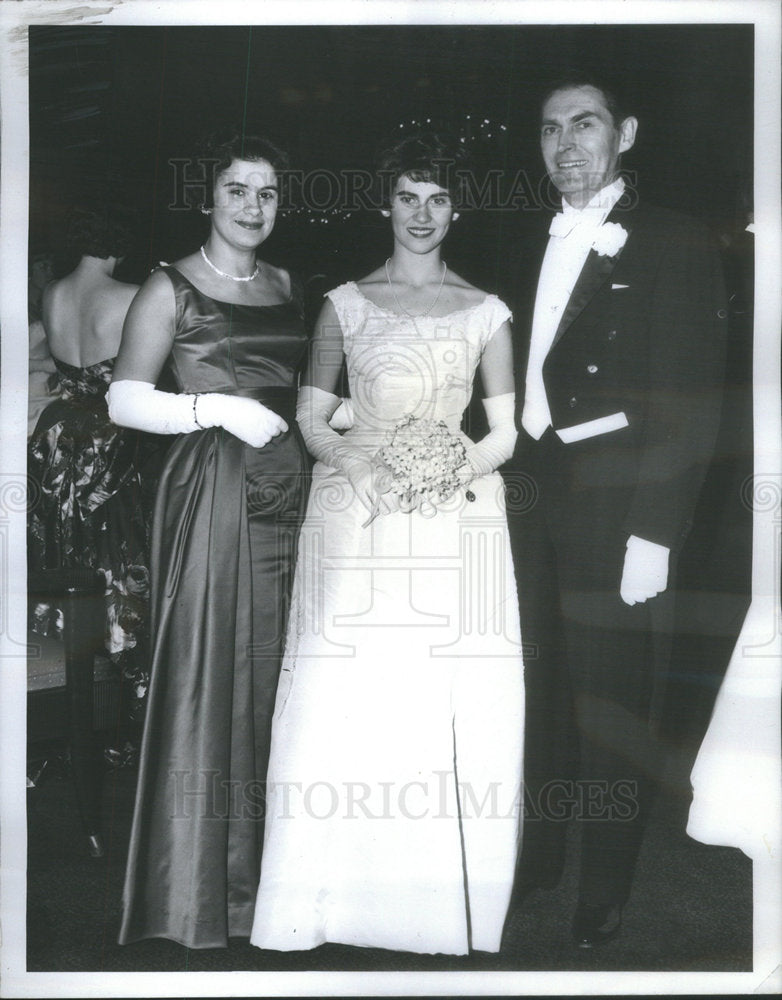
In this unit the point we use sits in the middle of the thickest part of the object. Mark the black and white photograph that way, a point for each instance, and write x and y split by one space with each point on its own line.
390 498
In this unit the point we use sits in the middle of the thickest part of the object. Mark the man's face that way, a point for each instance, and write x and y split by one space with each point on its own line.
580 143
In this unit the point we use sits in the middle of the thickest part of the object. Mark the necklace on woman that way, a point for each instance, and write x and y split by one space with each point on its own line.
232 277
431 307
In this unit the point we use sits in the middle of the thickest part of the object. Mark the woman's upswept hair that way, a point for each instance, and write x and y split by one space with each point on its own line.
218 150
100 232
434 157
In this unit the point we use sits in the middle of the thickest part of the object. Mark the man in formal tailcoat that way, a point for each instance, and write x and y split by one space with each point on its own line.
619 320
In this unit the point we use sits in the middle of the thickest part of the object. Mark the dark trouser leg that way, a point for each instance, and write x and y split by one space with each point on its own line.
549 747
610 658
610 672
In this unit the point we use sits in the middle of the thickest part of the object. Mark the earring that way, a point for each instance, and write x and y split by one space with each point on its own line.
384 212
206 211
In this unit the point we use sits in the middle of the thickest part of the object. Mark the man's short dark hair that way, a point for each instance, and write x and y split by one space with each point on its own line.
613 95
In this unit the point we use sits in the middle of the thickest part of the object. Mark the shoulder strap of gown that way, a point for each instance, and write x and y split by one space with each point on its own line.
297 292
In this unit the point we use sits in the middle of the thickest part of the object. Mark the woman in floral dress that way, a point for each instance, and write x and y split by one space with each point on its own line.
85 489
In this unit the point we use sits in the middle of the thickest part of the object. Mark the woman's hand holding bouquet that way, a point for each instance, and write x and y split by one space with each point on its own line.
422 465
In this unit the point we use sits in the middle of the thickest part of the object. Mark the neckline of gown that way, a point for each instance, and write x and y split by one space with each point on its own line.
224 302
397 315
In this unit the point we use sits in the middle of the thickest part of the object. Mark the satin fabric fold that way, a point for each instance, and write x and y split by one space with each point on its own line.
225 528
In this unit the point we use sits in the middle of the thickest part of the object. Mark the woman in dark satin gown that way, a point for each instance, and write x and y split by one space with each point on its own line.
228 510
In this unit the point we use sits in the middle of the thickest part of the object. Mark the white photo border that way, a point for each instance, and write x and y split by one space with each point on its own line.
762 620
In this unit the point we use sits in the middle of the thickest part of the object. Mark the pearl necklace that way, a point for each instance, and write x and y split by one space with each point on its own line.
431 307
232 277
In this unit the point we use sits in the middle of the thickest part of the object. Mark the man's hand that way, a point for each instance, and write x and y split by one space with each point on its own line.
645 572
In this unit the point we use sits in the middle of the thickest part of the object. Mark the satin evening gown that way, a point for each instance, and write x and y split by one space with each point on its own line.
395 771
225 528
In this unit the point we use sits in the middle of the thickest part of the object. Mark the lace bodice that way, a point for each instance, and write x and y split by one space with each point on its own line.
401 366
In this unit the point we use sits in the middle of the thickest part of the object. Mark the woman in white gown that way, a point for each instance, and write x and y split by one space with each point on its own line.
393 797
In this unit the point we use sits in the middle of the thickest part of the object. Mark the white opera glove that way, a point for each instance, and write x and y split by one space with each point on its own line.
342 418
497 446
314 409
142 406
645 572
247 419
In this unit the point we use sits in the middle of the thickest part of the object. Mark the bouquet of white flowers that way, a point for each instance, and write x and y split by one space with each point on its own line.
423 459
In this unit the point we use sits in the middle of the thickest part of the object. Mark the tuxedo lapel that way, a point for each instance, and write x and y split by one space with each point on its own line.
594 274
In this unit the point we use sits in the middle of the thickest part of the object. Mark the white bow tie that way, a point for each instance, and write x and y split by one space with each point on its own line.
562 225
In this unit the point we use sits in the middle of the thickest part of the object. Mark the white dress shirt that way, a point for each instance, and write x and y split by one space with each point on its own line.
572 233
645 571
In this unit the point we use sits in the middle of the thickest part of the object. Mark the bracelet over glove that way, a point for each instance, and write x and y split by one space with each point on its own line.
142 406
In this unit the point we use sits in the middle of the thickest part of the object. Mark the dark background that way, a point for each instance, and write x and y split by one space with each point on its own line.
109 107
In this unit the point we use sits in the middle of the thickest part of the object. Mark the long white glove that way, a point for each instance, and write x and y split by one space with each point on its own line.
342 418
142 406
497 447
645 572
314 409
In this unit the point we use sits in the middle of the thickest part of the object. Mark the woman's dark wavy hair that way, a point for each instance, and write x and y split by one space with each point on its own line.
218 150
102 232
434 157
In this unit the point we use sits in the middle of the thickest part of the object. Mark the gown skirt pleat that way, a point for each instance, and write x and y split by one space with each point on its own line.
394 786
225 531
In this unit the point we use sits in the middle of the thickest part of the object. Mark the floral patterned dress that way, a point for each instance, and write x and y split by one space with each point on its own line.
86 510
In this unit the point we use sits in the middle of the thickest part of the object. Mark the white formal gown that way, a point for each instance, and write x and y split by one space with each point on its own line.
393 803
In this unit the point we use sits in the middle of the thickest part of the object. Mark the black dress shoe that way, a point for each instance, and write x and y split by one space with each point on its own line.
594 924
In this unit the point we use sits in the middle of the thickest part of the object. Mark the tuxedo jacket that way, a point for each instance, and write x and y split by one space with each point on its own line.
643 334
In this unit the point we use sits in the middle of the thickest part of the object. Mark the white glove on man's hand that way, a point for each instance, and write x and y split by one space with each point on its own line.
645 572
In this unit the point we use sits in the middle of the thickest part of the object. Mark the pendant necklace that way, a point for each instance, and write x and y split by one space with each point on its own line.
231 277
415 316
